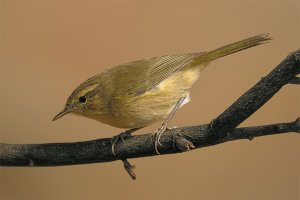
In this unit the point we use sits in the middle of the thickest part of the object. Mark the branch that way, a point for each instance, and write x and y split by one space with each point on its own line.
257 131
295 80
221 129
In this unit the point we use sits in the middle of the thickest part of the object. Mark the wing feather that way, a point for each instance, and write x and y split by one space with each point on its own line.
162 68
146 74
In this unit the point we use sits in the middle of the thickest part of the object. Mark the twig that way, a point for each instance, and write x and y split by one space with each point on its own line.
257 131
129 168
295 80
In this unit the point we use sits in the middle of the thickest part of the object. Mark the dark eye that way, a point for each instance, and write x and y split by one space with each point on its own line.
82 99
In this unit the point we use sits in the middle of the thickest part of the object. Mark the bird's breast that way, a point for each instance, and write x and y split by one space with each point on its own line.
152 106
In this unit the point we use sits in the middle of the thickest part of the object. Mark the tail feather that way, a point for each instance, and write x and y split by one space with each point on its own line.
231 48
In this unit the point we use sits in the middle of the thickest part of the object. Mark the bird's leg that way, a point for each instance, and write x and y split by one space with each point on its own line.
121 136
165 126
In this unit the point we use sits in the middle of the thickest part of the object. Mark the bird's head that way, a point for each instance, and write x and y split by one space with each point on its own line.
85 100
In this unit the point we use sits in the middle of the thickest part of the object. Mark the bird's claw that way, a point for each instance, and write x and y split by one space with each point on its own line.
115 139
158 133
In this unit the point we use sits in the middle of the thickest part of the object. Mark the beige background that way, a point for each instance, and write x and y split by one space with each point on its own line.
49 47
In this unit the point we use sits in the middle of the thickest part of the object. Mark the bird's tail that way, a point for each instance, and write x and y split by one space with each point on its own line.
231 48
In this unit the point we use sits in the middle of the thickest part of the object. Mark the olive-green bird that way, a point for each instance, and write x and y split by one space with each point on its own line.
139 93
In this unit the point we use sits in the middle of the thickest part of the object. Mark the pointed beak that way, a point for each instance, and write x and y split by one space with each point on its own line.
65 111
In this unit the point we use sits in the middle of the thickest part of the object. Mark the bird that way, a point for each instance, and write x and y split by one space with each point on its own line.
139 93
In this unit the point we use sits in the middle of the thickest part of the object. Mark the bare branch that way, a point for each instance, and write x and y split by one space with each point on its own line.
257 131
295 80
129 169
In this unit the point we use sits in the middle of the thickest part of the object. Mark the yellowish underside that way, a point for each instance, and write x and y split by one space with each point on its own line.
156 104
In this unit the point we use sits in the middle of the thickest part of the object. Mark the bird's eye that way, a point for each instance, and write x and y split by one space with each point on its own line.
82 99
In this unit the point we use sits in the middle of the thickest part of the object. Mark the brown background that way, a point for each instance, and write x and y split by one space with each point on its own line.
49 47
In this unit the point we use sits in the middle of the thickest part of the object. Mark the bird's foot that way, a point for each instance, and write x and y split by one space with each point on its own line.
158 133
115 139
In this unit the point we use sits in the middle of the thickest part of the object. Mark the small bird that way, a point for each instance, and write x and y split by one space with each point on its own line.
139 93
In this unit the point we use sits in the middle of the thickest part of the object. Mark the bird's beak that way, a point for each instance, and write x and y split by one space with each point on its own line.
65 111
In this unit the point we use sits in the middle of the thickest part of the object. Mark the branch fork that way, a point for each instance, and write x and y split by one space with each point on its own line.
221 129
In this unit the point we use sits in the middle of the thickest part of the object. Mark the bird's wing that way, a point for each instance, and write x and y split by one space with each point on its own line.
138 77
162 68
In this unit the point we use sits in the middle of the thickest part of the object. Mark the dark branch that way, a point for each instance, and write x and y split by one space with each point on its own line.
176 140
221 129
257 131
295 80
258 95
129 169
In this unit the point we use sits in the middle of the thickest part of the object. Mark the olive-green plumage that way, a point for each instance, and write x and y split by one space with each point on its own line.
139 93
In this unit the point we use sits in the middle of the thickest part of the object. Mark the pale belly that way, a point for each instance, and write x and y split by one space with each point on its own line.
156 104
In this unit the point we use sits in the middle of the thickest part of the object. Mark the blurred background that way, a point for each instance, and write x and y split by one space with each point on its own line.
50 47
